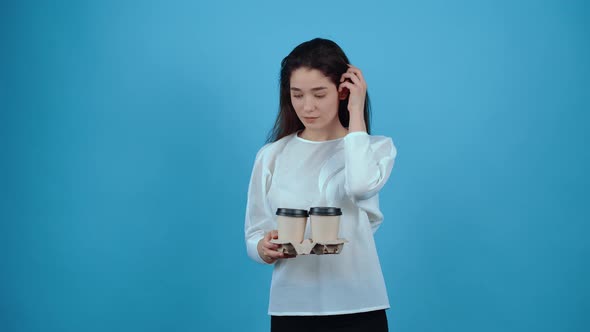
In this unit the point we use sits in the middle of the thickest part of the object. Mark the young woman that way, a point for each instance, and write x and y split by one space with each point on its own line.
320 153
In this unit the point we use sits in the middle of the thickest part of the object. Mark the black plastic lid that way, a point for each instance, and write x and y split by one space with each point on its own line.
325 211
292 213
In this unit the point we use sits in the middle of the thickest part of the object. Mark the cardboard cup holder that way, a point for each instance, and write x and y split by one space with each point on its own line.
325 224
308 247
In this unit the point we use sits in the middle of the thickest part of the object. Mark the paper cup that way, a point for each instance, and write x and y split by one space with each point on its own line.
325 223
291 224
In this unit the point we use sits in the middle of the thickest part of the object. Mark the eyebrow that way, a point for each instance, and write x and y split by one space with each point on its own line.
313 89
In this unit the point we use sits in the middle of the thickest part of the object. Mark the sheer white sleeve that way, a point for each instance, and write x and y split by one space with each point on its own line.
259 217
368 164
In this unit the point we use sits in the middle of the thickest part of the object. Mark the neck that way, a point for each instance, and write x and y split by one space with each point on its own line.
324 134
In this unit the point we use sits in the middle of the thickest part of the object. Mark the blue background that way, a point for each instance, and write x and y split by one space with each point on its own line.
128 132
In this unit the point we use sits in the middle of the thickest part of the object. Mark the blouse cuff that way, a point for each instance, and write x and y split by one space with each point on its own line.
252 247
356 133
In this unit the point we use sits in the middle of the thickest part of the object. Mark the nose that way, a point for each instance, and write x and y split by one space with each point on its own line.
308 104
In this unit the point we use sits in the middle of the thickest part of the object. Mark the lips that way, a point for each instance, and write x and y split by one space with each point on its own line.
310 119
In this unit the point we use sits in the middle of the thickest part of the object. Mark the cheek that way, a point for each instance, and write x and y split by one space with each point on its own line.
296 104
331 105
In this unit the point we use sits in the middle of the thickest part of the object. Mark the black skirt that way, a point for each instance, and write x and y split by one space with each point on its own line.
374 321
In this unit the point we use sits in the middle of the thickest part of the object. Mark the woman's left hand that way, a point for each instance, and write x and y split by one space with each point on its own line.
355 83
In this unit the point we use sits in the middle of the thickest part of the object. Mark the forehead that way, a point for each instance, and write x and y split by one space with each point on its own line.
304 78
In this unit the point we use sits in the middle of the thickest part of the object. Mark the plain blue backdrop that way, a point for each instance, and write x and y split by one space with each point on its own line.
129 129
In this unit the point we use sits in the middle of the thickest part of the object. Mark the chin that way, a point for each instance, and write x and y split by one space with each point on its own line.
313 126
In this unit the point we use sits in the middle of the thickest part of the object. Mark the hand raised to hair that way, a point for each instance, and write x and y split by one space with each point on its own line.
353 81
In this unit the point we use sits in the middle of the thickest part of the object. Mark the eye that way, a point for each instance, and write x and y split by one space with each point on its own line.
320 96
297 96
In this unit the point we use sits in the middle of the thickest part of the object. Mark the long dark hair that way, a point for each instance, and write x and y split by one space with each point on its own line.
325 56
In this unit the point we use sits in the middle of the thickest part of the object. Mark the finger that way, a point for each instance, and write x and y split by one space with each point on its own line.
271 235
347 85
268 236
353 78
266 241
270 245
274 254
352 68
357 72
268 259
346 75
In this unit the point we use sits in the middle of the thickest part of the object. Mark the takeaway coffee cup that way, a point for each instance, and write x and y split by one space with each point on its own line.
291 224
325 223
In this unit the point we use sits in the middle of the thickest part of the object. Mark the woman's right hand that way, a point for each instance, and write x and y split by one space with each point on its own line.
267 250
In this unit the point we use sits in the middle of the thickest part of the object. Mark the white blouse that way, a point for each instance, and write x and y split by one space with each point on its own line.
346 173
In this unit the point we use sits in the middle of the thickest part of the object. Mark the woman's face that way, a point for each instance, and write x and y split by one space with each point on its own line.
315 99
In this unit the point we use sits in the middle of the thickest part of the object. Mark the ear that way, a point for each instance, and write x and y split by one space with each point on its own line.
343 94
